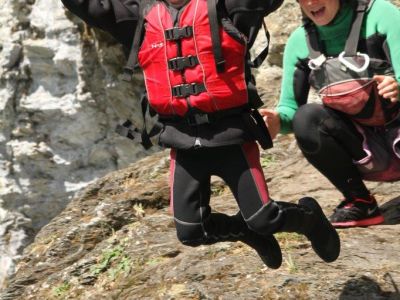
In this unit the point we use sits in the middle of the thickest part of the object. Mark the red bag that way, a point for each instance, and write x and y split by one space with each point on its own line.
359 99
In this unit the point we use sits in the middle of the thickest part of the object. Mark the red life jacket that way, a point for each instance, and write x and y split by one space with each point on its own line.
179 67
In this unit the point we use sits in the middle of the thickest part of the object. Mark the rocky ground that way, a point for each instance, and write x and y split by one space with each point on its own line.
117 241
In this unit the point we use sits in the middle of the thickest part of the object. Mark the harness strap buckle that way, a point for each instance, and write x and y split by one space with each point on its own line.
317 62
184 90
180 63
177 33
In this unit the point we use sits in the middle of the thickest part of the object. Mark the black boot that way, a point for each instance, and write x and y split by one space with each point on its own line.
266 246
308 218
220 227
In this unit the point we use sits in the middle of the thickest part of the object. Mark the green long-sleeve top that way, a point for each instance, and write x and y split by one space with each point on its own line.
380 38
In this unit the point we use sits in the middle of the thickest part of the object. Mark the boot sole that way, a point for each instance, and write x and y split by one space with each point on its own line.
333 243
360 223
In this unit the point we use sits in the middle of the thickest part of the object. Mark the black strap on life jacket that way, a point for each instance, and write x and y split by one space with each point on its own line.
216 41
140 135
256 62
127 129
215 38
197 117
144 6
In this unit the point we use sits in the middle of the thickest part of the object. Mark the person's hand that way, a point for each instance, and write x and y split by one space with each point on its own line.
272 120
388 87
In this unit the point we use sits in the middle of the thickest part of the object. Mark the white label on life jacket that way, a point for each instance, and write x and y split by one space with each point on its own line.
157 45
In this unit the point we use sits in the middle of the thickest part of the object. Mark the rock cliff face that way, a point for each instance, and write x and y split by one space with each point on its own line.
60 100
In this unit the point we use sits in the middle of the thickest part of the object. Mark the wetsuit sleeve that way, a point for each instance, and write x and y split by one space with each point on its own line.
118 17
295 86
382 17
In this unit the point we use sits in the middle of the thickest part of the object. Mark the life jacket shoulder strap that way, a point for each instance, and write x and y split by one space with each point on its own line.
144 7
215 38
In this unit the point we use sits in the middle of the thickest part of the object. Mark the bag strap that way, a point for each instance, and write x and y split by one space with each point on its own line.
313 45
350 48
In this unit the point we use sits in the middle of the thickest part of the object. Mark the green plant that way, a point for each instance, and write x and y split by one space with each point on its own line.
123 266
117 257
217 189
61 289
266 159
107 257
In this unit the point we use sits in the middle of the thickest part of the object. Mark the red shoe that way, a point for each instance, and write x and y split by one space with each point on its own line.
357 212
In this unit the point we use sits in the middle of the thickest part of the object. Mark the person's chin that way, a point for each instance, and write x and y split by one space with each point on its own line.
321 22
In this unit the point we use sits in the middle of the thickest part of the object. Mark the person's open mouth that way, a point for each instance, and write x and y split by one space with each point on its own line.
318 13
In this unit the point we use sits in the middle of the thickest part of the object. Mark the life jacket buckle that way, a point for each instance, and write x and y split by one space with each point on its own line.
184 90
177 33
180 63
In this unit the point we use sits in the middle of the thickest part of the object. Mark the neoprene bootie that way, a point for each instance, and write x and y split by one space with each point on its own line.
308 218
221 227
266 246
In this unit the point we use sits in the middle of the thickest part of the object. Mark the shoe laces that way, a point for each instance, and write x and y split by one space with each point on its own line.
349 203
346 203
